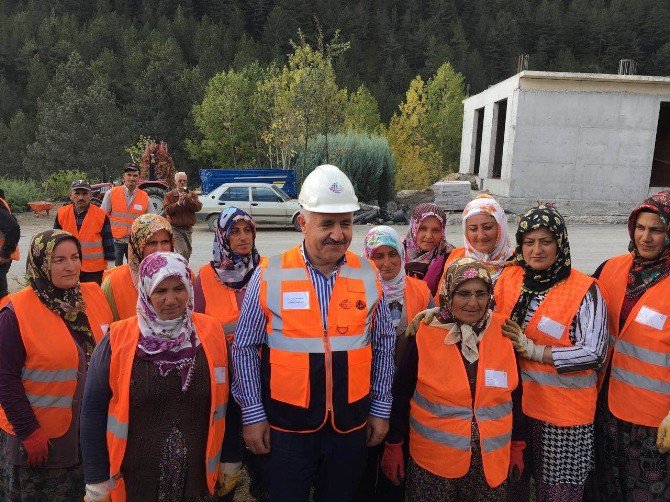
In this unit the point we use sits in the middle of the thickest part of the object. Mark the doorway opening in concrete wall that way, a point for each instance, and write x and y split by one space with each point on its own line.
660 169
501 116
479 125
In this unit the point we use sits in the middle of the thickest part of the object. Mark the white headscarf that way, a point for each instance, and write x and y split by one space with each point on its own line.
503 250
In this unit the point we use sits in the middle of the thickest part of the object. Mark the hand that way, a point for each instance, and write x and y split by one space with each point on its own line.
425 316
98 492
376 430
37 447
516 461
393 463
257 437
523 345
229 473
663 436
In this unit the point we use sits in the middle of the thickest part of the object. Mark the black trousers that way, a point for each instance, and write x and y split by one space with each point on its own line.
332 462
4 269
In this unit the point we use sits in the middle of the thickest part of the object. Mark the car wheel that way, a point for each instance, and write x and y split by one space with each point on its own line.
295 223
211 221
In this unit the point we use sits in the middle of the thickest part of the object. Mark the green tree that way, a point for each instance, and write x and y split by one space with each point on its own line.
14 139
362 112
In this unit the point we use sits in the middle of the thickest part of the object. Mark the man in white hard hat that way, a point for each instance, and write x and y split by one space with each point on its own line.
321 389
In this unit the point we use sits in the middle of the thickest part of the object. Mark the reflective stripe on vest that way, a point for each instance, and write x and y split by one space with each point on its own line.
49 375
563 381
123 344
639 389
439 436
89 235
121 216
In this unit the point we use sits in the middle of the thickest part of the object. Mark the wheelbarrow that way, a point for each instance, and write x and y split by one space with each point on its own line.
39 206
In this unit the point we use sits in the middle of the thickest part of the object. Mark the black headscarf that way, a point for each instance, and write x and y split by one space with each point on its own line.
537 282
68 304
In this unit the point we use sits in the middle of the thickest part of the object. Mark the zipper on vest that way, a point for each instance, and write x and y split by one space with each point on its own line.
329 372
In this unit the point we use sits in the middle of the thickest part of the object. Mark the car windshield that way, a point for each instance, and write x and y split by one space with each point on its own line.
281 192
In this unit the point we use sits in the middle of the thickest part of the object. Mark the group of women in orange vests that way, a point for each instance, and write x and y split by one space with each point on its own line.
516 373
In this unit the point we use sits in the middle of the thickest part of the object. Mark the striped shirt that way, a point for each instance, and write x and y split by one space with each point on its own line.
250 334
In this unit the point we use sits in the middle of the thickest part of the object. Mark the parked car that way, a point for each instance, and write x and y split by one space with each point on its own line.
266 203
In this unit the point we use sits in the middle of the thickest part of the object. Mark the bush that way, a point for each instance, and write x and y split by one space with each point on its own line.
366 159
19 192
58 184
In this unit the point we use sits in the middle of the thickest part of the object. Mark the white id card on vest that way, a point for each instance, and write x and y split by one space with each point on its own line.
138 207
550 327
495 378
296 300
651 317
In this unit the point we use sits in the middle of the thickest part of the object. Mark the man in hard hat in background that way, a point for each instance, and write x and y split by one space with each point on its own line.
90 224
321 389
123 204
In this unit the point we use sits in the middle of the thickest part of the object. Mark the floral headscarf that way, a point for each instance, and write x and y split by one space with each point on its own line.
426 265
503 250
68 304
394 289
646 273
141 231
233 270
169 343
460 271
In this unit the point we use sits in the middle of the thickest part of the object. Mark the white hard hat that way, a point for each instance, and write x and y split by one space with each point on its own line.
328 190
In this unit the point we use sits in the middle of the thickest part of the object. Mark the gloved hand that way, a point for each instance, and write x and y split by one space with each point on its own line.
98 492
393 463
523 345
229 473
663 436
37 447
516 461
425 316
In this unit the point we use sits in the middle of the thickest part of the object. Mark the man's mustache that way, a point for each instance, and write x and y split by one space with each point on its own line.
330 241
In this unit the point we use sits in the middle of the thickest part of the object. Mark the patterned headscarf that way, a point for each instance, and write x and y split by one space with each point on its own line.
233 270
426 265
469 335
141 231
68 304
646 273
394 289
503 250
169 343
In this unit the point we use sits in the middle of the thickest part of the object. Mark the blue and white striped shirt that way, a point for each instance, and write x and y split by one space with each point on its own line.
250 334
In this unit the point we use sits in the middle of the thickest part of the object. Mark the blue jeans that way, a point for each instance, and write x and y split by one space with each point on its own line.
120 250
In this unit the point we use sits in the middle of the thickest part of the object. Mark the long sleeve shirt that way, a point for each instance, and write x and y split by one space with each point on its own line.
180 207
251 334
10 230
106 232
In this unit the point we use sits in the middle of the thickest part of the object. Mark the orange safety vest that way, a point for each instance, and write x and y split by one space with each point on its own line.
220 301
560 399
639 388
124 291
453 256
417 295
15 255
90 235
123 339
121 216
442 409
51 367
309 373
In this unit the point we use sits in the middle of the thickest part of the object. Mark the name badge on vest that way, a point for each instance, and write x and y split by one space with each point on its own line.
495 378
550 327
650 317
297 300
138 207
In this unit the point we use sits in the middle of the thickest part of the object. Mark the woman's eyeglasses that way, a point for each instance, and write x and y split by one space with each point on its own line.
466 295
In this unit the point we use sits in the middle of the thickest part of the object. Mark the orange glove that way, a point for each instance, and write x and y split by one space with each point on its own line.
37 447
393 463
516 461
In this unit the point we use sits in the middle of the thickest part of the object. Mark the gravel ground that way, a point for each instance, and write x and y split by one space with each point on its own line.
590 244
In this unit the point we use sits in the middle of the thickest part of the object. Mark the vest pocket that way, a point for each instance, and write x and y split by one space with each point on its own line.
360 366
289 377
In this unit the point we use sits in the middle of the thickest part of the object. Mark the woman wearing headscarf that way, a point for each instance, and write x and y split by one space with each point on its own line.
47 333
558 326
405 296
219 291
153 414
453 393
149 233
633 417
426 250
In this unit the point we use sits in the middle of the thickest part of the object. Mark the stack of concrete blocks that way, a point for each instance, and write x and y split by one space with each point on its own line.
452 195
